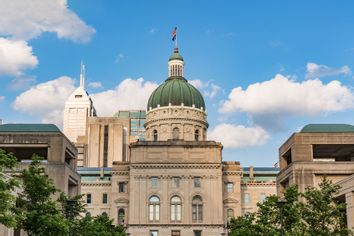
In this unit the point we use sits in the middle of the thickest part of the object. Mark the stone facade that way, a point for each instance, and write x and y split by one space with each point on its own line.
306 157
176 122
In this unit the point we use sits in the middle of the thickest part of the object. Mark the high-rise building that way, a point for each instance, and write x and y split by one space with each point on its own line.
137 122
77 109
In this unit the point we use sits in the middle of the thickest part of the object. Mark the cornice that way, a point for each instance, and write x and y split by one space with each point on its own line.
175 165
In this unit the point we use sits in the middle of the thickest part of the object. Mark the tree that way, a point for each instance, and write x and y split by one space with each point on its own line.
98 226
312 213
8 185
38 214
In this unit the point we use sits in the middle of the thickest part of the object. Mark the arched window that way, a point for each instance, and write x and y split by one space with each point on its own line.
175 133
176 208
155 134
121 216
154 208
104 214
196 135
197 208
230 214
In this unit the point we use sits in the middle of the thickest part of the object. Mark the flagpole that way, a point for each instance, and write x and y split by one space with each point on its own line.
176 46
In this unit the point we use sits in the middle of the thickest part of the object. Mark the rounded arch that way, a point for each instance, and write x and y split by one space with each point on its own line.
176 208
154 208
196 134
121 216
197 208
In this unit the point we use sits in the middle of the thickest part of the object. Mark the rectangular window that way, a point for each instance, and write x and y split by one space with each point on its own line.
121 187
104 198
105 146
88 198
246 198
197 233
262 197
176 182
154 233
154 182
196 182
229 187
175 233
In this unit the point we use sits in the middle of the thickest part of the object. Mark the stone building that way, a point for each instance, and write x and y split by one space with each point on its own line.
174 181
47 141
316 151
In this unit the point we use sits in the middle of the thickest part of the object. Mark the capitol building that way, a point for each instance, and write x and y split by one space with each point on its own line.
155 172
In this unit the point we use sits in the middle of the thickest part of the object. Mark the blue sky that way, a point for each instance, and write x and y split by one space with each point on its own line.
266 68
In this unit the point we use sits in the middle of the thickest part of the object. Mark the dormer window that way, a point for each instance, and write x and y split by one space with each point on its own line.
78 96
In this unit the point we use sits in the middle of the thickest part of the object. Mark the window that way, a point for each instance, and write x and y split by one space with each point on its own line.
88 198
246 198
229 187
230 214
105 146
176 182
175 133
197 208
155 134
196 135
154 208
104 198
121 187
262 197
154 233
197 233
175 233
154 182
104 214
196 182
176 208
121 216
88 214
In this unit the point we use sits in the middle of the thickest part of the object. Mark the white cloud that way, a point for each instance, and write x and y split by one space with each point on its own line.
283 97
46 100
2 98
119 58
95 85
238 136
129 94
15 57
27 19
208 89
317 71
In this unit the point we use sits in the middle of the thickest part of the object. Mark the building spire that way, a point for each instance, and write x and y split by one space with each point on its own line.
82 75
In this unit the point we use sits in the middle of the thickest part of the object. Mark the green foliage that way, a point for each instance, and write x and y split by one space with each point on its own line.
98 226
38 214
312 213
7 187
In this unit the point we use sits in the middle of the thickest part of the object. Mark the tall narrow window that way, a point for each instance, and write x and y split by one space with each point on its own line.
196 135
230 214
176 182
197 208
229 187
176 208
105 146
121 216
246 198
88 198
104 198
175 133
197 232
155 134
121 187
154 208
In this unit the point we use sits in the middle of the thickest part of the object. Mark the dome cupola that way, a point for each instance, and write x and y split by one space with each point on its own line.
176 109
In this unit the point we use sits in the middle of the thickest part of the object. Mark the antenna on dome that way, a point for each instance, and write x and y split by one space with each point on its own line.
82 75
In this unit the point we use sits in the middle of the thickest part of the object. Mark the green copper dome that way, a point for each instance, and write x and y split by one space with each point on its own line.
176 90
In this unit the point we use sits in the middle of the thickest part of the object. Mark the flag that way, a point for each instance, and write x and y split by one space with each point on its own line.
174 34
